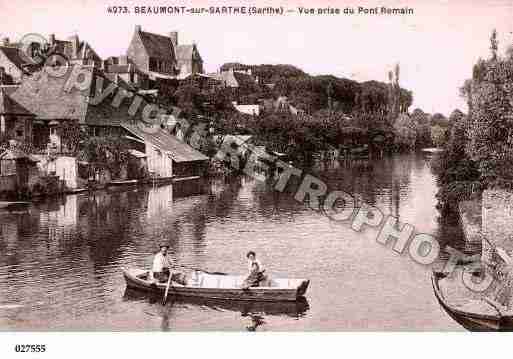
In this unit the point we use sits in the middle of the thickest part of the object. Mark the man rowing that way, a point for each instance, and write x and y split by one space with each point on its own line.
161 265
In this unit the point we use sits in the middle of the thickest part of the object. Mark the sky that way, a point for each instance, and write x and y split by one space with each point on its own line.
435 47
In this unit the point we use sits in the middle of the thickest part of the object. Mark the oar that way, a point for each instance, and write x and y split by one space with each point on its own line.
167 289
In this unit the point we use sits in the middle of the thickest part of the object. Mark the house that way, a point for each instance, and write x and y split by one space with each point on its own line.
166 155
125 69
153 54
162 57
76 52
188 58
59 107
15 120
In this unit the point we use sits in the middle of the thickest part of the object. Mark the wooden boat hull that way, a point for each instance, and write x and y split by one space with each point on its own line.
469 320
293 309
135 278
124 183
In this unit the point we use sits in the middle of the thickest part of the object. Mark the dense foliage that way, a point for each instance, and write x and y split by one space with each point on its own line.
479 147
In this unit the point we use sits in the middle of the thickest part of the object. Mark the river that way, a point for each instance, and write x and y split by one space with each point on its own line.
60 261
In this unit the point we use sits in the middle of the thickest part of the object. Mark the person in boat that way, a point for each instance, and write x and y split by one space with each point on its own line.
161 265
253 278
256 271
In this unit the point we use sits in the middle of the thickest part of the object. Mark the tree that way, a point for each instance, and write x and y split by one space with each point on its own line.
454 167
491 123
494 44
405 131
109 151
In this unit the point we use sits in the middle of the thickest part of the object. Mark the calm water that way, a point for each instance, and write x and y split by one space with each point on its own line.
60 261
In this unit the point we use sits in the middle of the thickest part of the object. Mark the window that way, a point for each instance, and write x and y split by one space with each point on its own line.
53 131
153 64
19 132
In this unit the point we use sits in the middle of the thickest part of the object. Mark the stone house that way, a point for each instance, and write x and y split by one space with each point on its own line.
153 54
161 57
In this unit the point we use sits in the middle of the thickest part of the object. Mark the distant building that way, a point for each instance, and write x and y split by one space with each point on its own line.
247 109
153 54
233 78
76 51
125 69
188 58
161 56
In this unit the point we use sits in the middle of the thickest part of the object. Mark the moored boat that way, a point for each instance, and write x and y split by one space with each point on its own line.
204 285
132 182
490 317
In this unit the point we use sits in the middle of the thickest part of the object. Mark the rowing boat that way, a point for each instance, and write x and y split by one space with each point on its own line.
205 285
489 318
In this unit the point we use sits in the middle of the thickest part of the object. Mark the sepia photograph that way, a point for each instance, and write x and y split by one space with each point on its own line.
271 166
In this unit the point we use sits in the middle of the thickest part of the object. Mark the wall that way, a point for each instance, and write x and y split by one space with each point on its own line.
8 183
11 125
64 166
159 162
497 218
137 53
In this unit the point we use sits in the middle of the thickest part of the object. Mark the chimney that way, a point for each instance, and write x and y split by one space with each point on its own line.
51 39
174 38
138 28
5 41
74 45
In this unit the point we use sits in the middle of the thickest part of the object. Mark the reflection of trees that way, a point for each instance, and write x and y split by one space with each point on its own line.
387 178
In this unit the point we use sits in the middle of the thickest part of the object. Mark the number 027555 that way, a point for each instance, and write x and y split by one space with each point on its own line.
30 348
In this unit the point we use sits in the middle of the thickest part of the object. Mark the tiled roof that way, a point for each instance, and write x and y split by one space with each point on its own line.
157 46
84 51
178 150
46 97
11 107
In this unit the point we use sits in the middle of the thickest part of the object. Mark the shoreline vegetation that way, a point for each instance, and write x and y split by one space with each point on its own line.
303 116
478 146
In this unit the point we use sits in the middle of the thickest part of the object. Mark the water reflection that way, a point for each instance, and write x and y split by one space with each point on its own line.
60 261
252 314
